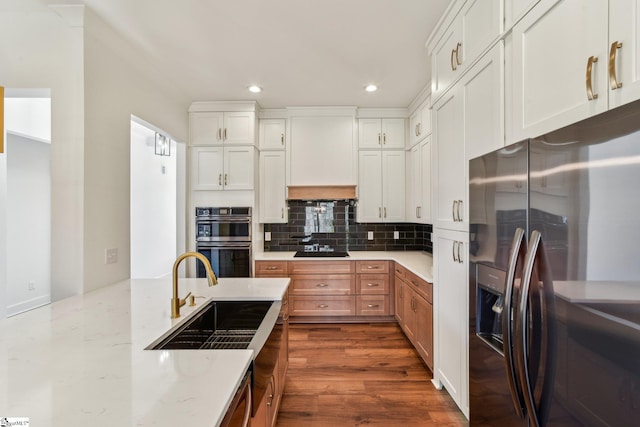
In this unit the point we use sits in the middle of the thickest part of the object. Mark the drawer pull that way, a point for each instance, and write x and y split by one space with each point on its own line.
417 285
373 305
371 285
272 267
322 285
322 306
373 267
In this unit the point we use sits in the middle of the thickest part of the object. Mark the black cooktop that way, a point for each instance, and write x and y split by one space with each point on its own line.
323 254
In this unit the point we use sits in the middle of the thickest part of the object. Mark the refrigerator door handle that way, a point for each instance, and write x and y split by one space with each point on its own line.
544 331
517 254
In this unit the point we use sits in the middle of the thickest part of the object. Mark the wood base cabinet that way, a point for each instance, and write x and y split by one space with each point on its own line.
267 412
414 311
335 291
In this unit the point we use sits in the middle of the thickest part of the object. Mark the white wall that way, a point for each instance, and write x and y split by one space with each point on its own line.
41 50
118 83
153 206
28 223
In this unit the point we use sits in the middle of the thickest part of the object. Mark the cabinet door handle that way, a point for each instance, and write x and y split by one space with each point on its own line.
282 213
219 134
220 180
282 138
415 130
459 257
458 211
378 138
225 134
590 95
373 305
384 138
613 81
379 212
322 285
453 210
453 65
385 211
419 128
322 306
225 179
419 211
458 46
373 285
453 250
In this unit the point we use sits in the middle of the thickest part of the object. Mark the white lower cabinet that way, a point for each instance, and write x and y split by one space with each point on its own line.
381 186
273 203
451 308
222 168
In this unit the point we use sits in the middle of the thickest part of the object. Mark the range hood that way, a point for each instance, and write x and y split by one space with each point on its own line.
321 192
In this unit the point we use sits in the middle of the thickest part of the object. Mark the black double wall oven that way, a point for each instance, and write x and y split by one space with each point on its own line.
223 235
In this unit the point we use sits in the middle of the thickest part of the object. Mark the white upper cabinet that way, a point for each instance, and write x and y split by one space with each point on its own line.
205 128
450 182
381 133
559 69
273 203
483 92
272 134
624 51
469 34
216 128
420 123
381 186
239 128
222 168
516 9
419 183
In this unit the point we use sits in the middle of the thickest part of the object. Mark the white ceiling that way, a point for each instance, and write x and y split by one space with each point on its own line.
302 52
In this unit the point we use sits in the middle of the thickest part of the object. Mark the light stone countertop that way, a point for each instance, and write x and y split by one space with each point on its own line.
418 262
82 361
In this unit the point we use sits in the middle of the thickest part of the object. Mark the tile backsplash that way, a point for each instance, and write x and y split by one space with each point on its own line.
347 234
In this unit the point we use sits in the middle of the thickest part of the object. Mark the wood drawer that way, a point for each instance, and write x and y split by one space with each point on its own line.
399 270
271 268
323 284
321 267
372 305
322 305
372 266
420 286
373 284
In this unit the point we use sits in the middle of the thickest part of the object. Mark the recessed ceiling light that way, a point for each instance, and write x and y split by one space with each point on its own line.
371 88
255 89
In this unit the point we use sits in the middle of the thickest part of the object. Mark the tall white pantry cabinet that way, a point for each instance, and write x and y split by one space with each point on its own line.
468 120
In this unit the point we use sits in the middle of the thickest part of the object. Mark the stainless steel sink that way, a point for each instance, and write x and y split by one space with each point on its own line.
220 325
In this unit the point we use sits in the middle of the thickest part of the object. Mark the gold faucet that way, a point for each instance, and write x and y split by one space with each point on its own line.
177 302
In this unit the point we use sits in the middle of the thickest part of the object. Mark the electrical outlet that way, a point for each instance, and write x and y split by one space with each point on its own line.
32 285
396 235
370 235
267 236
111 255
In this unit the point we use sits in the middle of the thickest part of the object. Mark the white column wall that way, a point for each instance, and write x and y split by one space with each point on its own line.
41 50
118 84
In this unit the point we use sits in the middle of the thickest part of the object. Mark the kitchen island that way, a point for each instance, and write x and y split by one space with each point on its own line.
82 361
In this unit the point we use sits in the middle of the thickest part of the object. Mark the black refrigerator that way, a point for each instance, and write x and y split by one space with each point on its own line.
554 280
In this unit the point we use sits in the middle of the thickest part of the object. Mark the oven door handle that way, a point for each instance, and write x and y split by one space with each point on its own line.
241 219
225 245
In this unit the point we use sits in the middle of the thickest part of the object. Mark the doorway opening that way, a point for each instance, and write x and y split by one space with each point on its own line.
26 183
156 200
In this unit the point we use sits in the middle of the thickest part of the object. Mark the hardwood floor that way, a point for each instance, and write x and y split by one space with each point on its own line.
360 374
